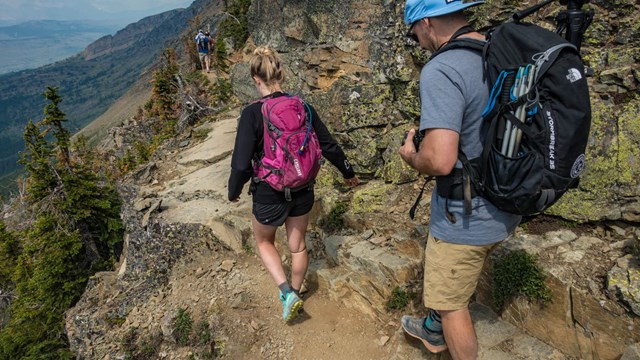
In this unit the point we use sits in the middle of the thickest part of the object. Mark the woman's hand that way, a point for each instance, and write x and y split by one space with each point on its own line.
354 181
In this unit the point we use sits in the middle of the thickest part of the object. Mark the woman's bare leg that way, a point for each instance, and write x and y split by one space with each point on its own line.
296 230
265 236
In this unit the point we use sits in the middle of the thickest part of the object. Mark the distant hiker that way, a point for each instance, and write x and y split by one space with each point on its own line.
453 96
281 158
202 43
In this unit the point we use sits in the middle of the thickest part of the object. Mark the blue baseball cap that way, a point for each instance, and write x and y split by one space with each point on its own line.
415 10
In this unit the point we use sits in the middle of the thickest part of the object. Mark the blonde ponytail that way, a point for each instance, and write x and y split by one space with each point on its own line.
266 64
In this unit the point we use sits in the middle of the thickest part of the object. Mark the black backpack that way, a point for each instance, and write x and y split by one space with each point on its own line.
547 119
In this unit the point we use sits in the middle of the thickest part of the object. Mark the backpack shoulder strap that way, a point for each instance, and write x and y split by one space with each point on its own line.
455 43
464 43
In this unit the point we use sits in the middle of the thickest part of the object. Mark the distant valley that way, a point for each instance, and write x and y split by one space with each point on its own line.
33 44
89 82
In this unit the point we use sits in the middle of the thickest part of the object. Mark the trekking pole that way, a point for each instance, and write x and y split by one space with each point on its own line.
520 113
508 126
531 78
509 81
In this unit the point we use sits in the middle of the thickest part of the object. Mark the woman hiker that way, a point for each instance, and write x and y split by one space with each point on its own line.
275 207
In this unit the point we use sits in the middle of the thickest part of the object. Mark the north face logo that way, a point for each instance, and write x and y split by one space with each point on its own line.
574 75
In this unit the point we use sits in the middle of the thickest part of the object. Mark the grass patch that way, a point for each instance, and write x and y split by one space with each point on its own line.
200 134
219 346
518 274
204 333
182 327
248 249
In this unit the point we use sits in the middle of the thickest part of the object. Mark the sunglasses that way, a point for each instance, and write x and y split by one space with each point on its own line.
410 34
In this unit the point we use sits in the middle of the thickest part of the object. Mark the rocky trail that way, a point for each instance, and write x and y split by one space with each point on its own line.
237 296
214 275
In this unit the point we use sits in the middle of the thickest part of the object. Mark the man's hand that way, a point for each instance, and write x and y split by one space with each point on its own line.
408 150
236 200
354 181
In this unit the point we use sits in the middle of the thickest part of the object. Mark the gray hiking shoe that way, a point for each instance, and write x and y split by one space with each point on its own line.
434 342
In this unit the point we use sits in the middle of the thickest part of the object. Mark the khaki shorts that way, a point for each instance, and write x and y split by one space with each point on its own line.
451 273
203 57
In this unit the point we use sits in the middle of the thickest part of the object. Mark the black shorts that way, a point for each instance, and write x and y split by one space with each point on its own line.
275 214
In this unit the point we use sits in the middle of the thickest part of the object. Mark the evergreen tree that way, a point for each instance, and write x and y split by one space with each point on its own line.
9 251
221 55
74 232
164 86
54 118
36 161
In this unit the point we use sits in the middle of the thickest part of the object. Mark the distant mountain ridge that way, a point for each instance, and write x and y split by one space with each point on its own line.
129 36
54 41
89 82
52 28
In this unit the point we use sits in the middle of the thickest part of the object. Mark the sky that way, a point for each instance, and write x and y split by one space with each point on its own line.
119 10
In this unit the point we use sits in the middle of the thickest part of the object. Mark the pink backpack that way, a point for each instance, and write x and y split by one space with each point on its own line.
292 153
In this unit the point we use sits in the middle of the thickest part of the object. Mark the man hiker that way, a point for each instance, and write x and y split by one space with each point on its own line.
453 96
202 43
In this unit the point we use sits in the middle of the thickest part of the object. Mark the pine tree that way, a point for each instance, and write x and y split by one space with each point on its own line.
9 251
74 232
165 87
54 118
36 161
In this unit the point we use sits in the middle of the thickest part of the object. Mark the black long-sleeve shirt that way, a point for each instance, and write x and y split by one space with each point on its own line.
249 144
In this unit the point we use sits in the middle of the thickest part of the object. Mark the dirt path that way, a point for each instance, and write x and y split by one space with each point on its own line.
248 317
236 296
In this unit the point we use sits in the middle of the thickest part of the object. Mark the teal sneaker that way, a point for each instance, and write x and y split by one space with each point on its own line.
291 305
433 341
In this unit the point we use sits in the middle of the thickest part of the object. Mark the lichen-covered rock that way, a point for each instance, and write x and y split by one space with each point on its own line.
355 53
371 198
610 184
623 281
395 170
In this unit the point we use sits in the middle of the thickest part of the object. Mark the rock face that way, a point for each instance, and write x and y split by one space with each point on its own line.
581 320
350 59
624 282
367 271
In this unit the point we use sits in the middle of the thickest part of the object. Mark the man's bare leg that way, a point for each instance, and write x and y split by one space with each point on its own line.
460 334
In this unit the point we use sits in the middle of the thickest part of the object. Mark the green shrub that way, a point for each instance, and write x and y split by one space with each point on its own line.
222 90
335 220
399 299
235 26
143 151
518 274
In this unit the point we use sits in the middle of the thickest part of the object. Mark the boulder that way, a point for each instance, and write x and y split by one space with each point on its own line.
368 273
